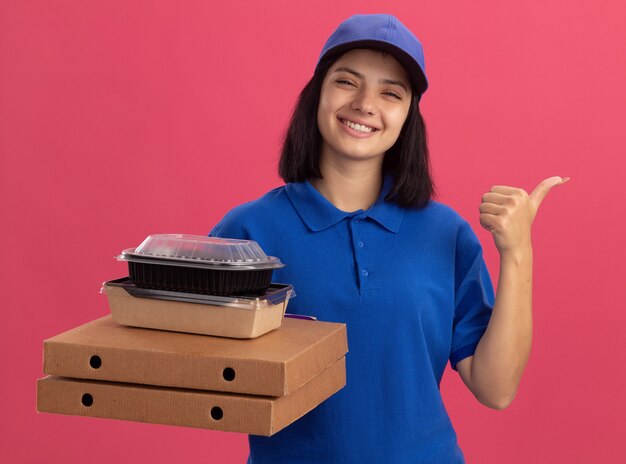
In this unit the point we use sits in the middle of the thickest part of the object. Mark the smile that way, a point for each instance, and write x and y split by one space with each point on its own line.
357 127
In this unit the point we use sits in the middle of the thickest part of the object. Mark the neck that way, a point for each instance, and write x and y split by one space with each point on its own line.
349 186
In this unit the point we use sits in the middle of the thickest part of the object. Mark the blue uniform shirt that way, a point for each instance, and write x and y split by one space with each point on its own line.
415 293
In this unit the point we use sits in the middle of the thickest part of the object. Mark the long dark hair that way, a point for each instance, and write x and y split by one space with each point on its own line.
407 160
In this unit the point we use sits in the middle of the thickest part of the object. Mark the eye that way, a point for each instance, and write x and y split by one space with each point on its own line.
343 81
393 94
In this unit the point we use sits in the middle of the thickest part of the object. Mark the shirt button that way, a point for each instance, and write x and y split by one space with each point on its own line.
356 220
365 273
361 244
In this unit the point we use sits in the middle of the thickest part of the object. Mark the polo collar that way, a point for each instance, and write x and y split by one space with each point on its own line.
318 213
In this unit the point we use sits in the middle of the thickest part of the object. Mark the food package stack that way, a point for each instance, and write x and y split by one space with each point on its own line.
214 360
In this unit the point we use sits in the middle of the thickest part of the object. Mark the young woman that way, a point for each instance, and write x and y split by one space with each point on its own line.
366 245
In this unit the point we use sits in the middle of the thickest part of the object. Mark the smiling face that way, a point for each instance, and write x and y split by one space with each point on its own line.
364 101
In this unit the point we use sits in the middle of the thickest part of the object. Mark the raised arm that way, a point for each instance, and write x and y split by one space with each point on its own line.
494 372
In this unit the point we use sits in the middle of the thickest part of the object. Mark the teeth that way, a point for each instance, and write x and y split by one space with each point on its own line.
357 127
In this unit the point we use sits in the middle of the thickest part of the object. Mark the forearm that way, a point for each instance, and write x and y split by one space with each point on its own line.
504 349
494 372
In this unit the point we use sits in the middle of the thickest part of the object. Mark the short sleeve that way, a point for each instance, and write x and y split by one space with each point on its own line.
232 225
474 296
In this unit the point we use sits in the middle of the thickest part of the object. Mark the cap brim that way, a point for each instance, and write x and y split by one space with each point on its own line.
416 73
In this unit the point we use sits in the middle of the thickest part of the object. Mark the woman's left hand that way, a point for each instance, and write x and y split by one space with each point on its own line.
508 213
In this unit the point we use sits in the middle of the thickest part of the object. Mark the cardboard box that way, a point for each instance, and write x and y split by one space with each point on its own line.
193 408
275 364
246 319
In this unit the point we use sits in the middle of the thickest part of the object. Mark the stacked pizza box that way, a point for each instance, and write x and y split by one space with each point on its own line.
225 360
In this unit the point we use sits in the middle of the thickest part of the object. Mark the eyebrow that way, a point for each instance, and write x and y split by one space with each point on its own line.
361 76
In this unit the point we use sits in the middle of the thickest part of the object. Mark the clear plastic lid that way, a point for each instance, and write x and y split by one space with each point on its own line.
190 250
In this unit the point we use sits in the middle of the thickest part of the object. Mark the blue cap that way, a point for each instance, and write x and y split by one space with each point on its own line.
383 32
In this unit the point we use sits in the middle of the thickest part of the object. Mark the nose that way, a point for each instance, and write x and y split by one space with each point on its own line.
364 102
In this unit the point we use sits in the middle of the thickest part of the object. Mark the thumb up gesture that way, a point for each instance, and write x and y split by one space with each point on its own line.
508 213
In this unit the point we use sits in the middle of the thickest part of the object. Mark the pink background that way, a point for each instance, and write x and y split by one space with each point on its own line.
123 118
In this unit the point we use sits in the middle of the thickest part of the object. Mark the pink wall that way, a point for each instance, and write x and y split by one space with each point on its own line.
123 118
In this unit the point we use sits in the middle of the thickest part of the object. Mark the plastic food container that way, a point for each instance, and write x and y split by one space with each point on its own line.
199 264
246 316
